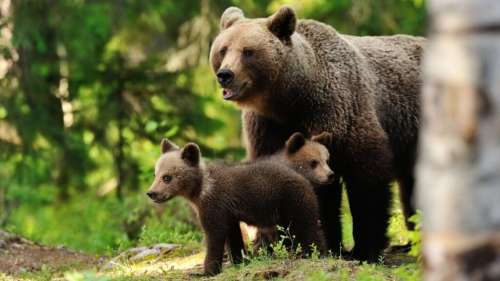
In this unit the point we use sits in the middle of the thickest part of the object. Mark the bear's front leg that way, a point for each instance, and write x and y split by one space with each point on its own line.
215 250
370 208
368 175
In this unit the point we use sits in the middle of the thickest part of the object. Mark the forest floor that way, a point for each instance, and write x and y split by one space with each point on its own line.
19 256
21 259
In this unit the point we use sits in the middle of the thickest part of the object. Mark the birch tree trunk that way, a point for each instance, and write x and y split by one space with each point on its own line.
459 162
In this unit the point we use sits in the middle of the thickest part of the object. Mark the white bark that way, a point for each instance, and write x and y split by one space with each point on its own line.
458 174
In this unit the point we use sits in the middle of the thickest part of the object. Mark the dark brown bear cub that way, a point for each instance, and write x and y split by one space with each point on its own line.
309 158
263 193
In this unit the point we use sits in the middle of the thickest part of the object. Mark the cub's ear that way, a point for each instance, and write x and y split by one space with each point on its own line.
167 145
191 154
230 16
324 138
282 23
295 142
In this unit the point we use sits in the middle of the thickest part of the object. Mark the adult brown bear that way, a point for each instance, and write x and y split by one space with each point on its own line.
291 75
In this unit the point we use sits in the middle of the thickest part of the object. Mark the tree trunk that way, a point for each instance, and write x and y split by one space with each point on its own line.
39 67
459 163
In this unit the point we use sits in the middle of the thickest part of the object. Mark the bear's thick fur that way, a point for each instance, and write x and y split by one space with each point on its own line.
309 158
302 75
263 193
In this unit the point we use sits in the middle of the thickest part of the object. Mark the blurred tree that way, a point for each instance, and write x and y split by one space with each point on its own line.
459 166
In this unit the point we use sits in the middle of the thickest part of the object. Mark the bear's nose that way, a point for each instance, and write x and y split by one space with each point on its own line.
331 176
225 77
152 194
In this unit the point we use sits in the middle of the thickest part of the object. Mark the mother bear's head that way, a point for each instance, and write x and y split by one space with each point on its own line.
248 55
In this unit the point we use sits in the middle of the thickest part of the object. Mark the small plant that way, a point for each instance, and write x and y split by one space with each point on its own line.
279 249
381 260
315 254
285 247
298 250
262 252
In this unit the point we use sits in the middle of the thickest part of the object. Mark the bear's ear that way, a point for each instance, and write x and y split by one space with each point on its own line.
282 23
167 145
295 142
230 16
324 138
191 154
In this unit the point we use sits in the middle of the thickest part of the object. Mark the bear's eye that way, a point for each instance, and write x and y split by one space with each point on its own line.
248 53
314 163
223 51
166 178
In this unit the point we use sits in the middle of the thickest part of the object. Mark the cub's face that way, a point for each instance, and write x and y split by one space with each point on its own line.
248 54
310 157
177 172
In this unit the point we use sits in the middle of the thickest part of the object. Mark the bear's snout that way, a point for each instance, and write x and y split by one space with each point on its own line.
225 77
152 194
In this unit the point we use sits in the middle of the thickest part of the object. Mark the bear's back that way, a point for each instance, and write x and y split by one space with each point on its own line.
381 73
394 61
255 191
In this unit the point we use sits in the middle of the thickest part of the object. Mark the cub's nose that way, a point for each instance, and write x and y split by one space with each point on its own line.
225 77
331 176
152 194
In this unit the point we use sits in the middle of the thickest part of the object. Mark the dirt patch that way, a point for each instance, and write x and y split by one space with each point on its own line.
19 255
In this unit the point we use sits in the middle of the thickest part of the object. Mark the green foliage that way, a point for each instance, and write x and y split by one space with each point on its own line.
98 225
415 236
89 224
175 225
397 225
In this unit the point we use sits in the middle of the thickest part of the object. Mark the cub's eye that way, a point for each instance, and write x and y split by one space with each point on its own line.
223 51
248 53
166 178
314 164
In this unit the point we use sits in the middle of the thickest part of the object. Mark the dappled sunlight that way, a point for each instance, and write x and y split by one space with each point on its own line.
158 266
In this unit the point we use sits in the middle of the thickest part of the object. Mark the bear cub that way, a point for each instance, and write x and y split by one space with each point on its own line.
309 158
263 193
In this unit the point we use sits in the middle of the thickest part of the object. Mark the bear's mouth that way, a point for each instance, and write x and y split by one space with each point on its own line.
229 94
322 182
232 94
162 199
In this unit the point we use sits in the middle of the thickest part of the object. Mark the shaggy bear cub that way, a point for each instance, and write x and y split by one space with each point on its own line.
263 193
309 158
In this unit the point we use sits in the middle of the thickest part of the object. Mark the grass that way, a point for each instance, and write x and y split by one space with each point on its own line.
96 225
257 268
